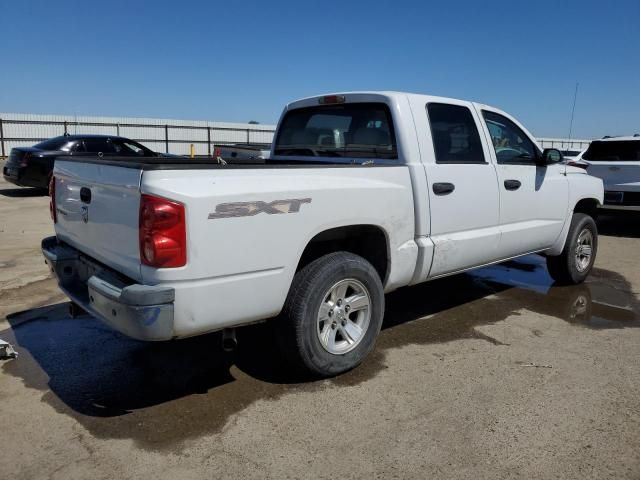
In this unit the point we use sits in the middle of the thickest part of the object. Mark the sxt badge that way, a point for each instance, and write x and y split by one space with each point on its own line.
249 209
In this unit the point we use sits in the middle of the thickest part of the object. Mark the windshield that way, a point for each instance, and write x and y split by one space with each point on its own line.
354 130
56 143
612 151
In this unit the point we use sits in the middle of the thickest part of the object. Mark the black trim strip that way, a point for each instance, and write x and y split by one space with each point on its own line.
465 162
519 163
167 163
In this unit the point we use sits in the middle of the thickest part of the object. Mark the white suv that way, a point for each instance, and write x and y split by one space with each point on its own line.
616 160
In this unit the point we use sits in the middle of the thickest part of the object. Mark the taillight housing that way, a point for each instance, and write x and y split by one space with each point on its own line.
163 237
52 199
24 161
578 163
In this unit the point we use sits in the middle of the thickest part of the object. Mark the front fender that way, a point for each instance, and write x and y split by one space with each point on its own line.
581 187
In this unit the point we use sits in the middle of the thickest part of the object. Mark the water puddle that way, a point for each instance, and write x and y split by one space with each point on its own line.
162 394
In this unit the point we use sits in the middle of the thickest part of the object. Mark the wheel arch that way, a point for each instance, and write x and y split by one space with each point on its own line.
366 240
588 205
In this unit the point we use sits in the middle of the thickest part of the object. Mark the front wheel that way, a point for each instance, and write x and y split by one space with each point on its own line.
333 314
575 262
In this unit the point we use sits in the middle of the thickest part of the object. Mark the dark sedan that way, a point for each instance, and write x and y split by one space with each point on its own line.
32 166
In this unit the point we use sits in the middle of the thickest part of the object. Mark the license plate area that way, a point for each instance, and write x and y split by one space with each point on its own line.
615 198
87 268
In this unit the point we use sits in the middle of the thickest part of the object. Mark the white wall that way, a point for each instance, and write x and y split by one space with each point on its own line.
150 131
564 143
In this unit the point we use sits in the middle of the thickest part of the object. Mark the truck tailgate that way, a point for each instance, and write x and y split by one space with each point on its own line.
97 210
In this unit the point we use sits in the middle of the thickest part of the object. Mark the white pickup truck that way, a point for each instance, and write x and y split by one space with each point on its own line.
363 193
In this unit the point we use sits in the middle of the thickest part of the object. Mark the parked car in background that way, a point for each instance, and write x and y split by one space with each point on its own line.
242 152
32 166
363 193
616 160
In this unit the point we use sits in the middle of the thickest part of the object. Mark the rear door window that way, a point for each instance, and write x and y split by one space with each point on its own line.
613 151
127 148
355 130
99 145
78 147
455 134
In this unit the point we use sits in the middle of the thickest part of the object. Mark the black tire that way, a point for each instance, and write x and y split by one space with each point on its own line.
564 267
298 332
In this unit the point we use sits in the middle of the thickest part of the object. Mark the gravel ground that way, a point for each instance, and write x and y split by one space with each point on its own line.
494 374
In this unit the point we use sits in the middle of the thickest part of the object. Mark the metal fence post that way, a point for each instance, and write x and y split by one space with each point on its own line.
2 139
166 138
248 136
65 127
117 129
209 139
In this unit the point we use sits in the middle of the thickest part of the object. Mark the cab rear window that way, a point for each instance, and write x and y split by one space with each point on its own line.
613 151
354 130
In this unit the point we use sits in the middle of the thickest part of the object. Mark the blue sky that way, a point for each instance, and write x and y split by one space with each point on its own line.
241 61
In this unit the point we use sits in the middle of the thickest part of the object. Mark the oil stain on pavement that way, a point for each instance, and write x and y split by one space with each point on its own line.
162 394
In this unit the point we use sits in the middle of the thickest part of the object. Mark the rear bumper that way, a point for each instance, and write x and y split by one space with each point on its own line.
143 312
11 174
626 208
24 177
621 200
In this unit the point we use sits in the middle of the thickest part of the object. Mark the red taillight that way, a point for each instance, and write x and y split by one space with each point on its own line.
52 199
578 164
24 161
163 238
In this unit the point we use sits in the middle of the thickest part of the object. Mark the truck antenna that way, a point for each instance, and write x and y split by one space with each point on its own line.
573 109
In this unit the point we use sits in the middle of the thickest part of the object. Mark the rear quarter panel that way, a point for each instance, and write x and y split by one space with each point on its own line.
239 269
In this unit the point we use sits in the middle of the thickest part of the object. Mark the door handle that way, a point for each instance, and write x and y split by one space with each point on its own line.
512 184
443 188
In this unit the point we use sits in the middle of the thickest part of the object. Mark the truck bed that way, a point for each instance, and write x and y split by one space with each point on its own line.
187 163
229 257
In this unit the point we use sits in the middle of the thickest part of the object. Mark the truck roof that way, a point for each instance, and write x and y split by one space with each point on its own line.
397 98
388 94
83 136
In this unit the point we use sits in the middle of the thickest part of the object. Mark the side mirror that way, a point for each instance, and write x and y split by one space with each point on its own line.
549 156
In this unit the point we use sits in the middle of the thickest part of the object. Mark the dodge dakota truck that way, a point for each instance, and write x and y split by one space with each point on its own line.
362 193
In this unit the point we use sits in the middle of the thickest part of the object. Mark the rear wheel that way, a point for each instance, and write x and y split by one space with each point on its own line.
333 314
575 262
